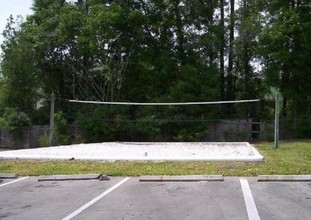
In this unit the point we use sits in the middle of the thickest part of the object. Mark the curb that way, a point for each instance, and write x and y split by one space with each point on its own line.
284 178
195 178
99 177
8 176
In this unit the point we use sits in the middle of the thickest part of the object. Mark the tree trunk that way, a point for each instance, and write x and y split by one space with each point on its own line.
222 51
230 94
246 68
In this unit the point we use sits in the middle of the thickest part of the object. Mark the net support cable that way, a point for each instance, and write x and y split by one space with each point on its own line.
162 104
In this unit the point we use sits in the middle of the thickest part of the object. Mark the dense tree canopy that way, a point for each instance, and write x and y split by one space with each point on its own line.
286 50
157 50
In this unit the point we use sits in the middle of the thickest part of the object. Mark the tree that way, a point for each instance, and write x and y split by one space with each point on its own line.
20 82
222 51
285 48
152 51
247 62
230 75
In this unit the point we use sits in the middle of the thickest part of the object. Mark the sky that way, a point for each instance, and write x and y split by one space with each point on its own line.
13 7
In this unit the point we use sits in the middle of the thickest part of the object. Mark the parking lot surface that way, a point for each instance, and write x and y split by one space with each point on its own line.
128 198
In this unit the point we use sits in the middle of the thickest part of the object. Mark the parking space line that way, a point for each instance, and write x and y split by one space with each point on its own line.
82 208
14 181
249 200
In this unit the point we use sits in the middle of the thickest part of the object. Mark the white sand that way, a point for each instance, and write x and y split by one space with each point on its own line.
143 151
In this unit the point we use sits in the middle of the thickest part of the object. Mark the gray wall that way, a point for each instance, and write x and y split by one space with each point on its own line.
222 130
29 137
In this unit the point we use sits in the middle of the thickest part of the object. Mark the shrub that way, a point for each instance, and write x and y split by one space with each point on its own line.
44 140
14 120
61 129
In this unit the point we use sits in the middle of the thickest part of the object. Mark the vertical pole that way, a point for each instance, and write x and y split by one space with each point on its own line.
276 122
52 119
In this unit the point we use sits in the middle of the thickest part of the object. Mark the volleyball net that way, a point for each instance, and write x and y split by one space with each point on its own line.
170 121
165 104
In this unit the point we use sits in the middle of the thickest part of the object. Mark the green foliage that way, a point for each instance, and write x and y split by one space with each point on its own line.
156 51
285 48
78 139
104 123
62 135
14 120
2 84
20 84
44 140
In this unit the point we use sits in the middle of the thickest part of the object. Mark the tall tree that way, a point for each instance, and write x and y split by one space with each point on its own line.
230 74
20 82
248 28
285 48
222 50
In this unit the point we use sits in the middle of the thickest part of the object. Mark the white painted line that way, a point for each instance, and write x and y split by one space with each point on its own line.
82 208
249 200
14 181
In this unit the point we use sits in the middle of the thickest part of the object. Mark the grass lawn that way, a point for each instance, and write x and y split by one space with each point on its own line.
291 158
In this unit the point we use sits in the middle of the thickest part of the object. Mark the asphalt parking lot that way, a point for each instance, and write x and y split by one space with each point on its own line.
128 198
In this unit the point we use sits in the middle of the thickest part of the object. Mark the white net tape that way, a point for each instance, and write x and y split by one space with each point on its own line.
163 104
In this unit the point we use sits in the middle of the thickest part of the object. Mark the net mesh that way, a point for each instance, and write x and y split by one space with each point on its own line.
185 121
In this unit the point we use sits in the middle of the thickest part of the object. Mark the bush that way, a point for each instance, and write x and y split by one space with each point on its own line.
62 135
105 123
14 120
44 140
